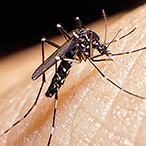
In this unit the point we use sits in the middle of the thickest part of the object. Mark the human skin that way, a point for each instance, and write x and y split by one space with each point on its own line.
91 111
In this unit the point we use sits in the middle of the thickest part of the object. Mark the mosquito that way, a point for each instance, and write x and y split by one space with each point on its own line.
77 48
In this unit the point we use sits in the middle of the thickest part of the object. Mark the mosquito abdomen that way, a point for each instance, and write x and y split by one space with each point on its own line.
59 78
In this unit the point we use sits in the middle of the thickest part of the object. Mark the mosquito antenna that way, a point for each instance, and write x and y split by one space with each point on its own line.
105 20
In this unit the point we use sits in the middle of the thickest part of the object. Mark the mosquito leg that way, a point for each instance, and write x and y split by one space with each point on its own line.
43 80
106 59
96 56
63 32
115 40
55 107
128 52
108 78
27 112
69 60
43 58
113 82
54 116
79 23
127 34
49 42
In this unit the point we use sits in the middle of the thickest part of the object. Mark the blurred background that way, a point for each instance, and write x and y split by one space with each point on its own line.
23 23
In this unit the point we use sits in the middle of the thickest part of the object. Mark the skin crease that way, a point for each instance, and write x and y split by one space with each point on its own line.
91 111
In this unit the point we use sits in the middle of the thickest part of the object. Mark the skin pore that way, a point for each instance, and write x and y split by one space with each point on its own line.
91 111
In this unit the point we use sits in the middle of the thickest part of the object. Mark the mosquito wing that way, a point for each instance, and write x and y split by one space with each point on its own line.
50 61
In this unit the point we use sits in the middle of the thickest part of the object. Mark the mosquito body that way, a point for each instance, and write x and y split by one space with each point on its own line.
79 41
78 47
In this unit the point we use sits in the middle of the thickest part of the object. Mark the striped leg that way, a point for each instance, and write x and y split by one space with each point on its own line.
114 82
54 116
92 62
55 108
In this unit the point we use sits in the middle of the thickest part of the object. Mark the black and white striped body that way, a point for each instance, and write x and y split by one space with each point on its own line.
88 41
60 75
83 37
